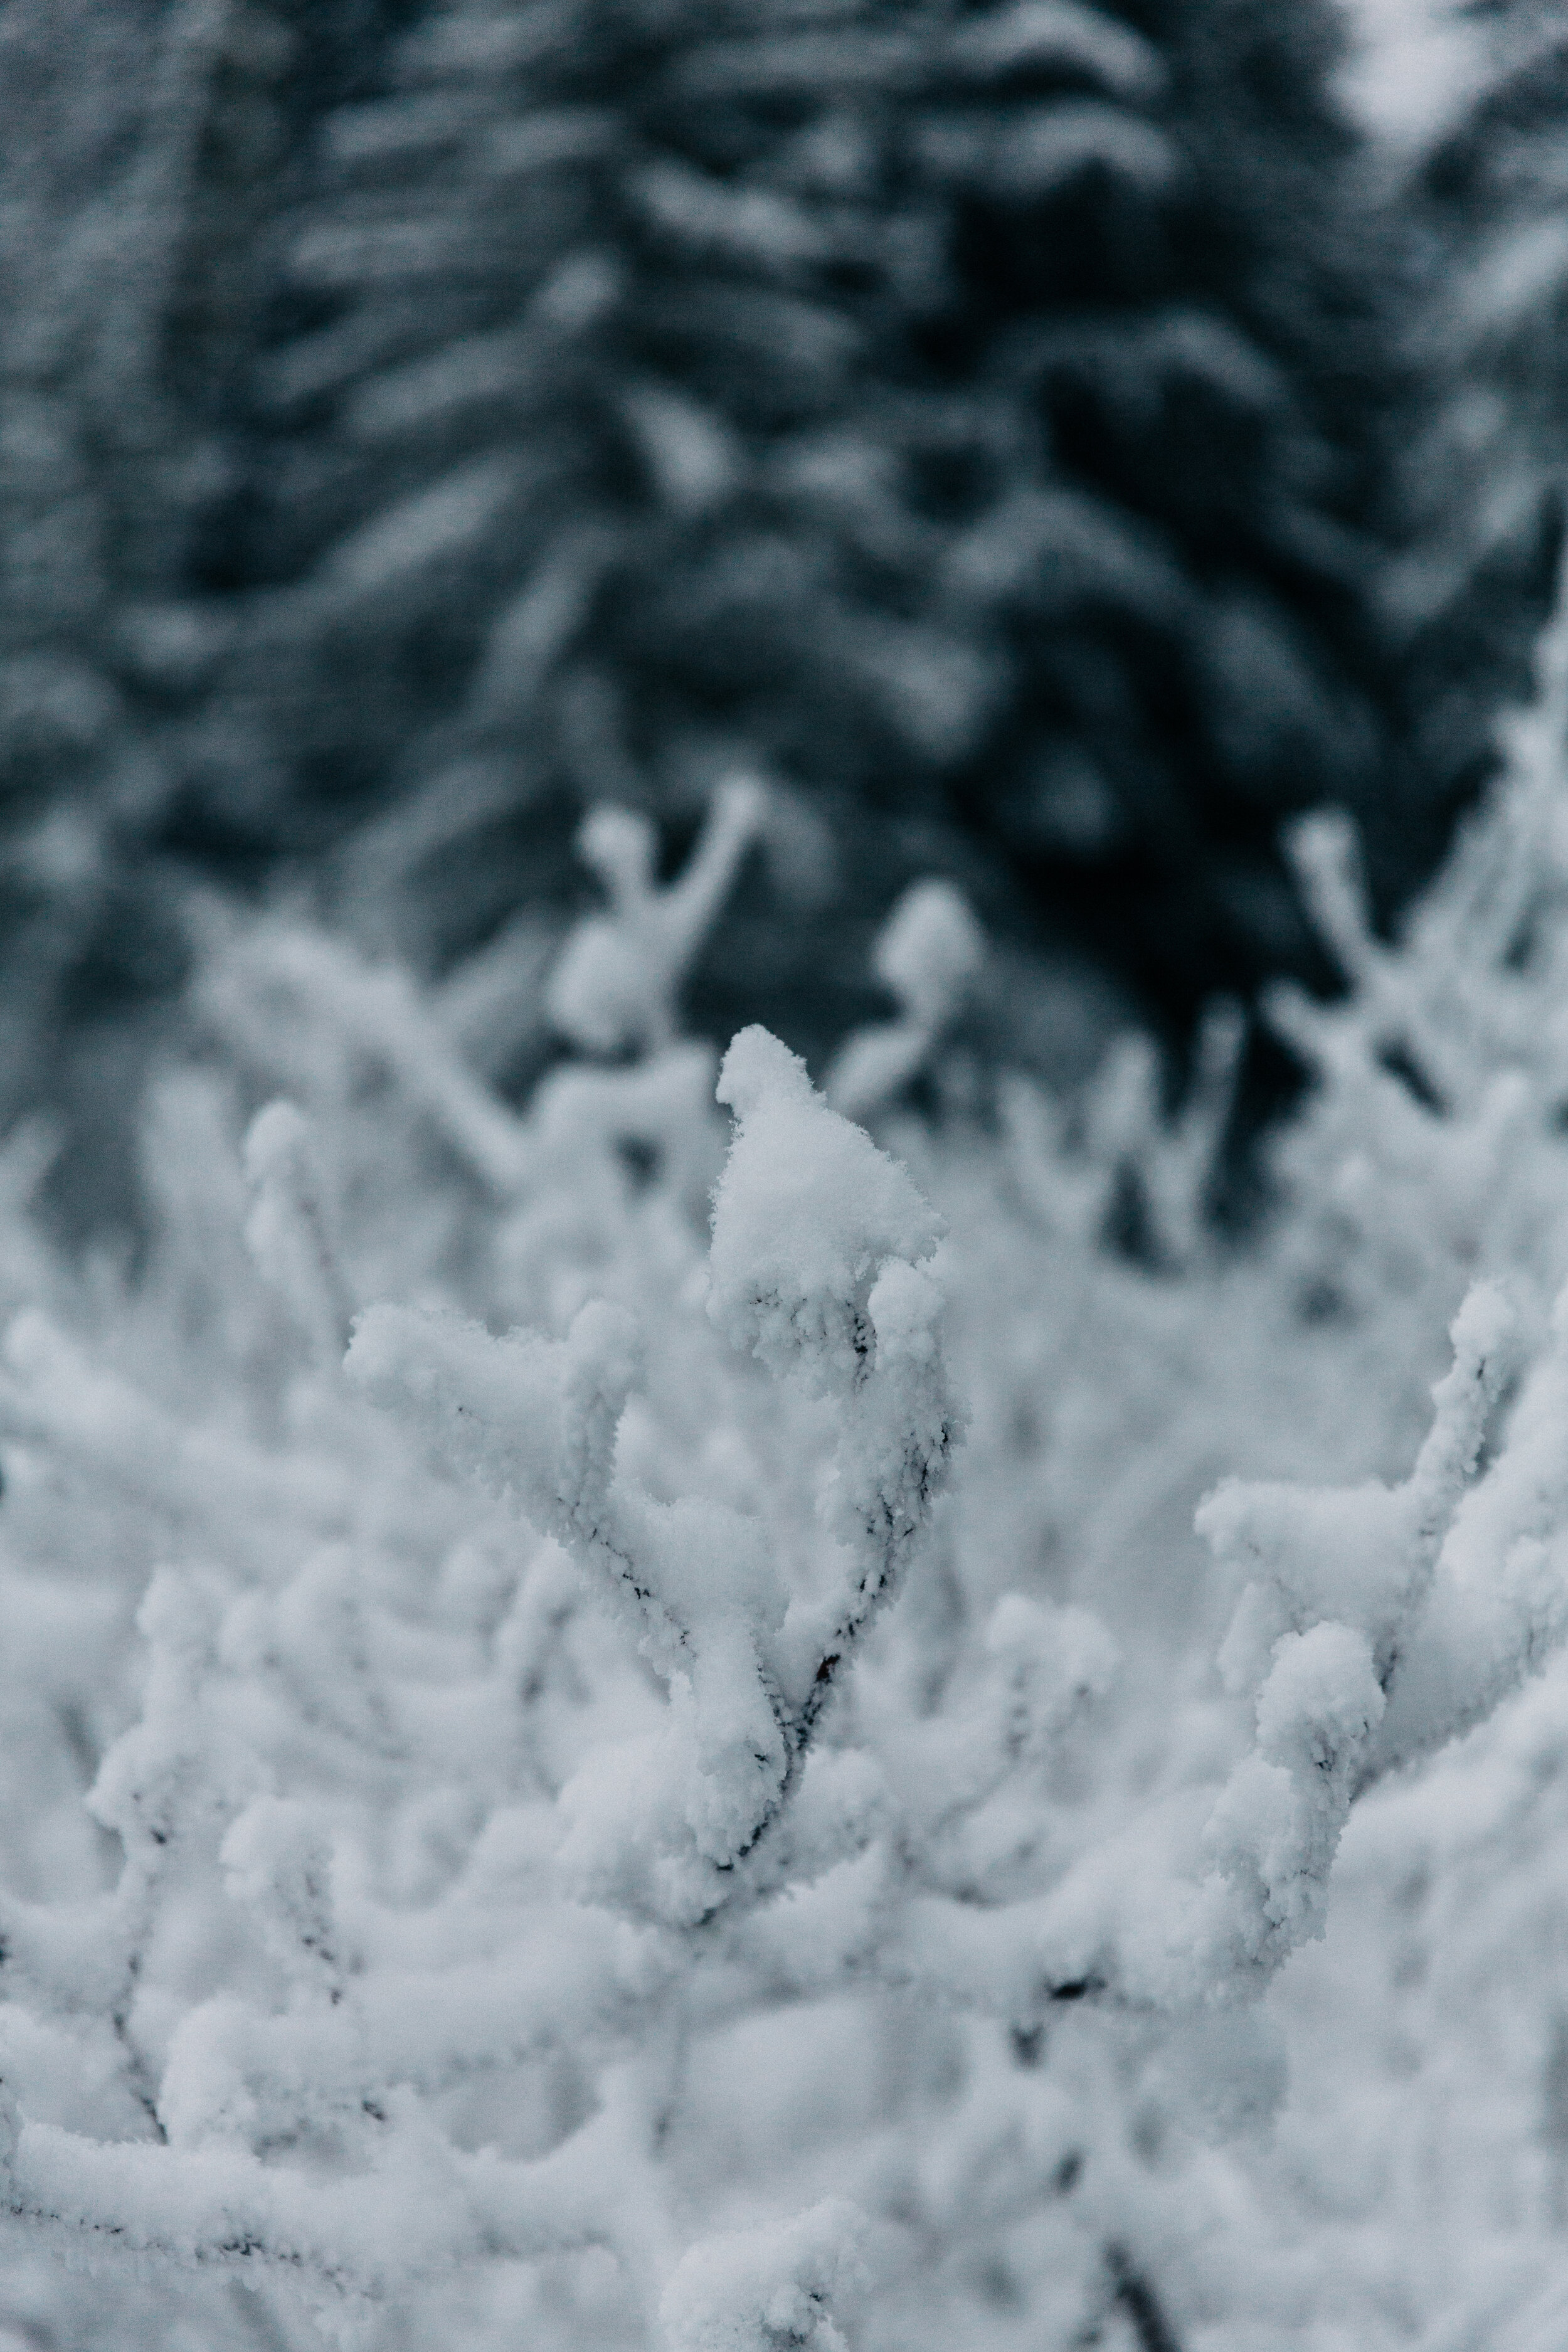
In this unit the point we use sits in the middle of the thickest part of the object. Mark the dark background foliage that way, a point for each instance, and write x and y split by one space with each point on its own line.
1476 478
1044 438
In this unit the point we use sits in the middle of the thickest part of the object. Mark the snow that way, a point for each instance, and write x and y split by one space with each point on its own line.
1415 62
789 1745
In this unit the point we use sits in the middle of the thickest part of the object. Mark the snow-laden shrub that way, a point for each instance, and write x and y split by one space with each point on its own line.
665 1762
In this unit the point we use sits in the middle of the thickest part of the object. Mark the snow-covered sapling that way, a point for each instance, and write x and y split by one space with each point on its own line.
819 1266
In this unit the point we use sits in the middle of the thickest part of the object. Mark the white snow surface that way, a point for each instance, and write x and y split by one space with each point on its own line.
799 1742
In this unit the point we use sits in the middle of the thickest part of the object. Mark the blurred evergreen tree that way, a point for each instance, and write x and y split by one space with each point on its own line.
963 414
144 143
1478 486
435 418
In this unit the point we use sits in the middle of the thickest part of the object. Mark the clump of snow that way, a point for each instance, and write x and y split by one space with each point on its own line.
927 954
615 984
757 2290
806 1215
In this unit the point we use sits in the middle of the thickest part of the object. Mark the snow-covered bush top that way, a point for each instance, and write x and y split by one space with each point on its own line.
609 1826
